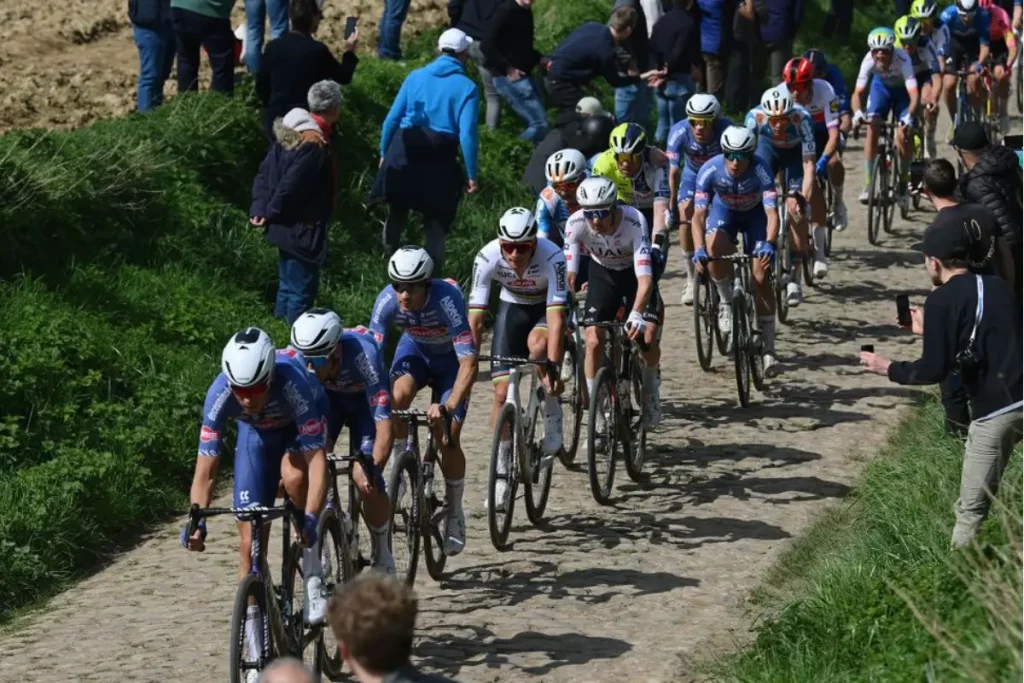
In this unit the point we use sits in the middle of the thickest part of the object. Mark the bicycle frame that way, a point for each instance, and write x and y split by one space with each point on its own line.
524 422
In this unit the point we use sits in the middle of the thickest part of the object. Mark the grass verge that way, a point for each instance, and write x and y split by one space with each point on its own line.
874 592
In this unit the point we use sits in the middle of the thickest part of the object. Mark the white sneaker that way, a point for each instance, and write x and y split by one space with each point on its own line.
794 294
552 434
687 298
567 368
842 218
454 533
820 265
725 319
316 601
863 196
771 365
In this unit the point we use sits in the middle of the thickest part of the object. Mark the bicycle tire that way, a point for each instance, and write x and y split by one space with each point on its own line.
604 393
250 587
874 204
337 571
830 217
433 544
572 395
405 470
888 181
703 321
499 523
807 265
740 344
895 189
636 445
538 486
756 350
781 267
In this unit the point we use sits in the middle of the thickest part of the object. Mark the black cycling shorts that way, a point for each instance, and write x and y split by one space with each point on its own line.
610 295
962 52
999 51
821 139
511 330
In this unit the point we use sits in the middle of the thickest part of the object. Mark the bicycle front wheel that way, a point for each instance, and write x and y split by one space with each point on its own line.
602 443
636 425
252 646
703 321
538 486
403 490
337 569
875 201
782 267
499 508
572 397
741 348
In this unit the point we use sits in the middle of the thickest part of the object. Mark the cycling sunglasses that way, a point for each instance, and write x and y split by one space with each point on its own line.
564 188
596 214
251 392
700 120
778 120
406 286
627 158
737 156
318 361
517 247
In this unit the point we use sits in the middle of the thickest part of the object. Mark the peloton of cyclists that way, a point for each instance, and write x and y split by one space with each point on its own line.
967 31
927 72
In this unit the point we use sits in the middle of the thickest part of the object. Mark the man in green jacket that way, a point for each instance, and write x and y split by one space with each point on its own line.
204 23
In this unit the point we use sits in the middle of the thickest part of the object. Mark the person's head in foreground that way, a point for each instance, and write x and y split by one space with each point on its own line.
970 140
947 248
373 619
286 670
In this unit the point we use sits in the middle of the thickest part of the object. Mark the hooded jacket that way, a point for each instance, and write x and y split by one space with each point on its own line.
995 183
441 97
294 187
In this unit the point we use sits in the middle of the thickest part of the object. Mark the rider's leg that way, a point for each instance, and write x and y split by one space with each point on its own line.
403 391
686 239
837 172
949 97
595 355
720 241
1002 85
453 466
537 341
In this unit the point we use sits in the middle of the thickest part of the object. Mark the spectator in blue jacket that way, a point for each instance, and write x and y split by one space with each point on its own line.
154 37
777 33
715 32
434 114
293 198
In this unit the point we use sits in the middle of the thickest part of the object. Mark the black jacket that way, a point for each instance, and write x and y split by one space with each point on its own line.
675 42
472 16
153 14
294 191
995 183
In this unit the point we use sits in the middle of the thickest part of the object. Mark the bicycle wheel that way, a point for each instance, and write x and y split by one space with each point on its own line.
830 216
572 396
874 203
635 440
537 486
246 656
499 521
740 346
403 485
601 447
336 562
431 514
807 264
703 322
890 182
781 267
756 346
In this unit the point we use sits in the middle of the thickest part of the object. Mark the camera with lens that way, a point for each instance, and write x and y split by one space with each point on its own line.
968 361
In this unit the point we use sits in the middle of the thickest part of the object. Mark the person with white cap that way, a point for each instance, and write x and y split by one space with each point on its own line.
434 115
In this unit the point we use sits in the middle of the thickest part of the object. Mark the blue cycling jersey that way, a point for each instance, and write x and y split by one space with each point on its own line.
835 78
296 400
976 28
552 213
745 192
683 144
797 134
436 329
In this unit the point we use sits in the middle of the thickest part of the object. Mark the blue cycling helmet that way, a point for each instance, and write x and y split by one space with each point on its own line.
818 61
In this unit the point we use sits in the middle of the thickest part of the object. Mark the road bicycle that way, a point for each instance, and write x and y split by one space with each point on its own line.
279 625
828 193
574 393
965 110
706 304
617 401
883 182
917 166
782 267
417 513
527 465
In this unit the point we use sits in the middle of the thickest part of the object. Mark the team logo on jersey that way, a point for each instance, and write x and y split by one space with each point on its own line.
560 283
381 399
366 367
427 331
294 396
311 428
463 338
833 106
453 314
206 434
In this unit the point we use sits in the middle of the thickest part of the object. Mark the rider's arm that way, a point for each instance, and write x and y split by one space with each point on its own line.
572 247
480 294
383 313
219 405
545 221
807 145
305 397
832 125
769 199
376 385
642 266
674 150
557 305
465 349
701 199
661 201
863 75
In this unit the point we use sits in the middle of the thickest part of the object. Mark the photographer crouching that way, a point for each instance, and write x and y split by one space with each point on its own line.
969 326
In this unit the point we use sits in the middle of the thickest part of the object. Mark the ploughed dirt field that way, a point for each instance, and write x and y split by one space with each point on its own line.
66 64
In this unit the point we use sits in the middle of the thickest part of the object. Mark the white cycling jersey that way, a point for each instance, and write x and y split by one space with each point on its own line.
628 246
899 73
543 280
824 105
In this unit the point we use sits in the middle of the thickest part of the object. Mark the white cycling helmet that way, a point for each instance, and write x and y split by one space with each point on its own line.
703 105
739 139
517 225
777 101
881 38
248 359
597 192
565 166
966 6
317 332
410 264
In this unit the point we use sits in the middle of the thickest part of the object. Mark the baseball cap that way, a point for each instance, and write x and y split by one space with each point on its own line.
970 136
589 106
953 235
455 40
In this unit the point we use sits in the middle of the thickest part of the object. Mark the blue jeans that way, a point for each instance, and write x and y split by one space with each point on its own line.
672 101
256 11
633 104
389 44
156 57
298 283
524 99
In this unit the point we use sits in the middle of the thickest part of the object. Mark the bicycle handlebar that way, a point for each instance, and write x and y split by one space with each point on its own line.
550 368
196 514
620 326
411 415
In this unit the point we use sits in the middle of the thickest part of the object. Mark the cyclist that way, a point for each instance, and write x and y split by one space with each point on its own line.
350 367
565 170
736 193
786 142
531 316
693 140
893 86
639 170
819 99
436 349
834 77
1003 50
967 30
279 409
926 72
621 278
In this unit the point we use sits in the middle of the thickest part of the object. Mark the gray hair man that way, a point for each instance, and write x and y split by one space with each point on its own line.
324 99
286 670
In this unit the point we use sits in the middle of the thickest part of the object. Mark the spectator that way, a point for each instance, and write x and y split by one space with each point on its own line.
473 17
839 19
295 61
389 39
715 16
293 198
373 619
940 185
778 30
509 55
993 180
204 23
633 101
586 129
586 53
434 113
154 37
256 14
675 49
966 328
741 92
286 670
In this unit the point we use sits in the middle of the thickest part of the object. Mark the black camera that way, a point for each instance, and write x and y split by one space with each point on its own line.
968 361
